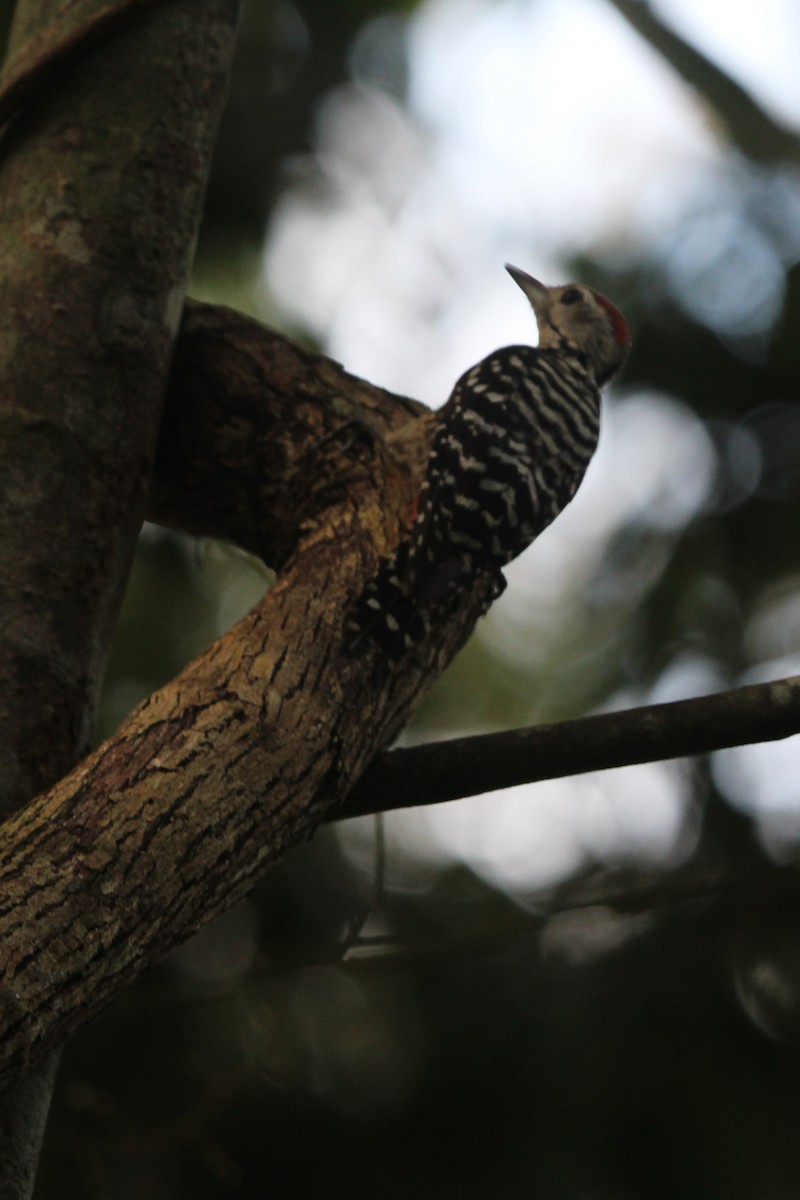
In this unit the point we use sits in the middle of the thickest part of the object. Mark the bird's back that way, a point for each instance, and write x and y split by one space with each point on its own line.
511 447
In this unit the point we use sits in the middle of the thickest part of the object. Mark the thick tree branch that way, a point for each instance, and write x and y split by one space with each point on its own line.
260 738
251 419
218 773
221 470
451 770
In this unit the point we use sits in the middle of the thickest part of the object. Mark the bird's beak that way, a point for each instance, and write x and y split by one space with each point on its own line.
535 291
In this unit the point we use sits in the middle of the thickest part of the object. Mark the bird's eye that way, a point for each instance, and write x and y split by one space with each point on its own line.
571 296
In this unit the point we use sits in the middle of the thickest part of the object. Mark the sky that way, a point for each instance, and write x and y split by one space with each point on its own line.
537 131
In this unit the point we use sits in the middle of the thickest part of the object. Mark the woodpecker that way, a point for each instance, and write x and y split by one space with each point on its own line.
510 449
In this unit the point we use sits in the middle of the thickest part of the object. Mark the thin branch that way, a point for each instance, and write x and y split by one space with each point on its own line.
749 127
451 770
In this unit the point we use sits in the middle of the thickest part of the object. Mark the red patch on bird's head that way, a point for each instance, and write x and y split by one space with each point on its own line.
619 326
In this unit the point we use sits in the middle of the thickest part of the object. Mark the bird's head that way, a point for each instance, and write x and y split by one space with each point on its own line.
574 317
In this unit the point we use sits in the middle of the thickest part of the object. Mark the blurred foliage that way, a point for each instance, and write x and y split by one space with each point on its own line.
288 56
378 1021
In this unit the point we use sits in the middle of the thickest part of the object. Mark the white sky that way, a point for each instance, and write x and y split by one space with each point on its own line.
538 130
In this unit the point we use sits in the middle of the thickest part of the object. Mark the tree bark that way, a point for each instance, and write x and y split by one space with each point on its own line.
101 183
217 774
449 770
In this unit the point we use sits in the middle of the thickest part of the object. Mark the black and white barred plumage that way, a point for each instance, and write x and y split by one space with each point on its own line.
510 450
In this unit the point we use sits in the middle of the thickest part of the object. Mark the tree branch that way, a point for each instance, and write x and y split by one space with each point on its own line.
749 127
217 774
247 410
258 740
46 50
451 770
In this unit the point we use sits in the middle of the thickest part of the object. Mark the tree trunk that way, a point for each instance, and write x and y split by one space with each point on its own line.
101 184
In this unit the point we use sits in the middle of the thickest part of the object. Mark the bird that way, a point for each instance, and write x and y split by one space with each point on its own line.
510 449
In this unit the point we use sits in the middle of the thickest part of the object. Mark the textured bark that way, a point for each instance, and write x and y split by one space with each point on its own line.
101 182
255 742
233 463
259 435
218 773
100 187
